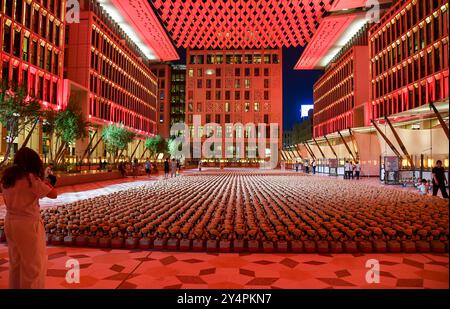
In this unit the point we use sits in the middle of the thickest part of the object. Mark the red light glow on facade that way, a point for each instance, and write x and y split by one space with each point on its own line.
240 24
330 29
142 18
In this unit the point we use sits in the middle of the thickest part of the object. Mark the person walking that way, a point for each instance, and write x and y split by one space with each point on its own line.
347 170
357 170
173 168
439 179
306 165
148 167
200 165
296 166
166 168
314 166
22 185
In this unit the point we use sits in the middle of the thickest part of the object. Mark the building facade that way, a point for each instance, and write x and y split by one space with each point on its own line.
32 41
163 71
120 88
178 94
230 87
409 57
341 95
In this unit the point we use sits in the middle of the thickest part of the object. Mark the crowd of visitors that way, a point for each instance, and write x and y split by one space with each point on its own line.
352 170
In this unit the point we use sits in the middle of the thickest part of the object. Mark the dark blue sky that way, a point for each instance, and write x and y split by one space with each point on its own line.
297 85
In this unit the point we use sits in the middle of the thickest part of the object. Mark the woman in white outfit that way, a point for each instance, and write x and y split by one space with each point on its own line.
22 186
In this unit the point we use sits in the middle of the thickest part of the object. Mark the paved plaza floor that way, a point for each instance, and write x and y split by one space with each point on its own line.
129 269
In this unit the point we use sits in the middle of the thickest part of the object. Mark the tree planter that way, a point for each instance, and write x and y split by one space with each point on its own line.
104 242
310 246
336 247
225 246
379 246
185 245
81 241
131 243
394 246
69 241
57 240
253 245
93 242
198 245
172 244
350 246
117 243
282 246
296 246
159 243
144 243
365 246
211 245
423 246
268 247
238 245
322 246
408 246
437 246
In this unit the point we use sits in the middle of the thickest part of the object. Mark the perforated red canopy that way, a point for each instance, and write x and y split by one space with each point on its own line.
233 24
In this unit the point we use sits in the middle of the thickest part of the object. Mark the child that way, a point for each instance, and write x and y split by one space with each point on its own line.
22 186
423 187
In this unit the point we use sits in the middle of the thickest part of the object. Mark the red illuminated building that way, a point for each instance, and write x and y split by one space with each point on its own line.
32 41
122 89
163 72
409 57
341 95
238 86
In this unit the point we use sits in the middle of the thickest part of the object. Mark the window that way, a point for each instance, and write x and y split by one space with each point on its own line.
218 119
247 72
208 83
218 72
199 107
266 59
266 71
237 95
210 59
238 59
16 44
246 95
200 59
248 59
228 120
227 95
199 72
218 83
191 73
266 95
227 107
256 72
237 72
237 83
208 118
257 59
229 59
266 83
247 83
192 59
219 59
275 59
247 107
41 56
7 38
208 95
190 107
218 94
199 83
256 107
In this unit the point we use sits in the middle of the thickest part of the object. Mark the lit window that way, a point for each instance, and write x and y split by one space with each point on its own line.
256 106
247 107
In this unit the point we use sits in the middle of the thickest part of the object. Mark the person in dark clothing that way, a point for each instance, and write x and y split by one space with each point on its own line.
439 179
122 170
166 168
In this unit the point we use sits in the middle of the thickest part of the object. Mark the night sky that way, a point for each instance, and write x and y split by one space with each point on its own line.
297 85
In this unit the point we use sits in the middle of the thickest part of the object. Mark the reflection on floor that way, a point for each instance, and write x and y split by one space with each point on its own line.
122 269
